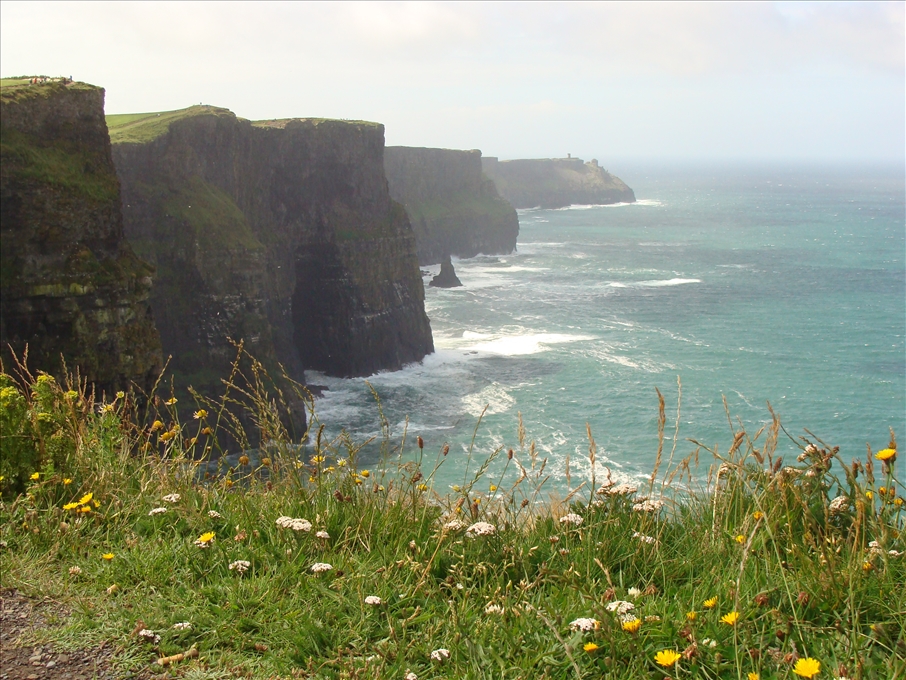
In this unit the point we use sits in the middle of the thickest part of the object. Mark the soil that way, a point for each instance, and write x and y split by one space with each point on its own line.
20 615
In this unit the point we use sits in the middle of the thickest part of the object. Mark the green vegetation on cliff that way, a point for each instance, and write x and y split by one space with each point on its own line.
140 128
302 562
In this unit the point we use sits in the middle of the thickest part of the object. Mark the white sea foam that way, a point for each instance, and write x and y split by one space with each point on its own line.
494 396
668 282
529 343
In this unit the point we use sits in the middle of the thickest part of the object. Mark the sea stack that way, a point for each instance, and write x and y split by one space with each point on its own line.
447 277
73 291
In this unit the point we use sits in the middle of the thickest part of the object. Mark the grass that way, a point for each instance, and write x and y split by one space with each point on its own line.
18 89
141 128
716 532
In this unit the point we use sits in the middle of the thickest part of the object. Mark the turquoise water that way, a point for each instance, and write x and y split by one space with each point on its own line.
751 283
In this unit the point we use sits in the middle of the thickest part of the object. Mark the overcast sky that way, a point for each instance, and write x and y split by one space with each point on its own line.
815 81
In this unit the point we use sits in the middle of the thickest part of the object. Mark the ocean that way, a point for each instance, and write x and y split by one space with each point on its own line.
760 283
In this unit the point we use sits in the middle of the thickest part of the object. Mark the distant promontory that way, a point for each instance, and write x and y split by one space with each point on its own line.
555 182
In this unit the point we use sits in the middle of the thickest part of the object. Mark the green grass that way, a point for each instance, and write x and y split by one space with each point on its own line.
14 90
141 128
758 537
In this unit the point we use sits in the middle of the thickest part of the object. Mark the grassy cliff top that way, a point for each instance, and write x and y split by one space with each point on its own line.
140 128
21 88
280 123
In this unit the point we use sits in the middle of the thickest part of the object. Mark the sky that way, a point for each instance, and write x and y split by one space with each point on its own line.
816 82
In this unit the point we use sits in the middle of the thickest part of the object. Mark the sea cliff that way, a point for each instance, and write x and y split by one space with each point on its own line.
73 291
555 182
454 208
279 233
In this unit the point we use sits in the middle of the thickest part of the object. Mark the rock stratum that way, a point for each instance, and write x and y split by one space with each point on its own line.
73 290
454 208
279 233
555 182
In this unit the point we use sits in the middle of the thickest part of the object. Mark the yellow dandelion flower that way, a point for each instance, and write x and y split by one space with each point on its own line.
807 667
317 459
66 481
631 625
166 436
758 515
200 414
157 425
667 657
358 480
898 501
422 487
243 460
867 567
869 495
172 401
228 483
34 476
711 603
886 454
691 616
730 619
86 499
120 394
266 462
753 676
590 647
70 506
107 556
207 431
882 490
364 473
85 508
740 538
493 488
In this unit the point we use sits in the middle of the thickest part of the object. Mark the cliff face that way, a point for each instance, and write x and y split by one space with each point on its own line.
556 182
280 233
71 286
454 208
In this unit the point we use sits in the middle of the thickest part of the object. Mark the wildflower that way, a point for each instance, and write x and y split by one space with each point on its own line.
240 566
440 654
320 567
869 495
85 508
66 481
620 607
590 647
365 473
838 505
156 511
34 476
648 506
75 571
317 459
373 600
571 518
182 625
691 616
898 501
107 556
84 500
322 534
200 414
886 455
171 401
70 506
634 592
757 515
266 462
213 514
481 529
205 540
631 625
730 619
149 636
493 609
493 488
243 460
708 642
667 657
207 430
422 487
710 603
652 618
867 567
166 436
740 538
410 675
622 490
753 676
643 538
454 525
807 667
585 625
157 425
341 462
171 498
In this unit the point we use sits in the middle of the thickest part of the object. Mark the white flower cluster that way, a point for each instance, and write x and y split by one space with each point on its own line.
240 566
75 571
493 609
294 523
320 567
204 544
322 534
620 607
213 514
182 625
644 538
157 511
571 518
708 642
410 675
481 529
373 600
648 506
633 592
454 525
839 504
584 624
622 490
149 636
172 498
440 654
